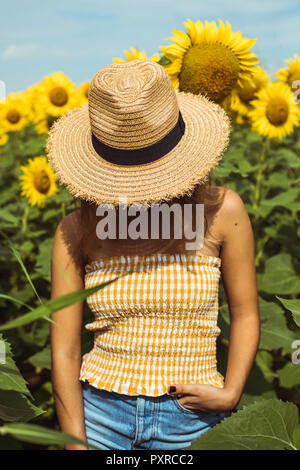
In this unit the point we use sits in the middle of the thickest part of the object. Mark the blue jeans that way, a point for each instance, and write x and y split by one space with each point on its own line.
114 421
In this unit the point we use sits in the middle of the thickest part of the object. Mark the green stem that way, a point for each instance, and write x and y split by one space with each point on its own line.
24 226
257 194
260 251
260 174
24 221
63 209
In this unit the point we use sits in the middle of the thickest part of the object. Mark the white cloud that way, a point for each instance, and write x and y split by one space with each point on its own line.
22 51
60 53
81 37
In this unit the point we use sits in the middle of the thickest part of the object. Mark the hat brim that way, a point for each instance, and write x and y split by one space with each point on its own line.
88 176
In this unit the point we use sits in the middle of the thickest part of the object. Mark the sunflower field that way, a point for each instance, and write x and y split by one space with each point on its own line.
262 165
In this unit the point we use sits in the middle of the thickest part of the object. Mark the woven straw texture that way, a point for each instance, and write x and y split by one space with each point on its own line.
156 325
130 106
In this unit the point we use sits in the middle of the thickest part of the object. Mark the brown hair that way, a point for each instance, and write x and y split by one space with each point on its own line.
203 193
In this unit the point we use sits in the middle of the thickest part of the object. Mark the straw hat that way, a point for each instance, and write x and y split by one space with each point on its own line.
137 141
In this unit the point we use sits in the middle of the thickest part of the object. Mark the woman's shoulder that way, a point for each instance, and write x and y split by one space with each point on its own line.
232 202
70 221
231 210
68 234
228 199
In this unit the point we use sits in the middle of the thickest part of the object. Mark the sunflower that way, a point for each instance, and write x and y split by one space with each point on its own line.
136 54
242 96
83 90
290 74
42 123
15 113
274 112
37 181
3 137
39 117
55 95
210 60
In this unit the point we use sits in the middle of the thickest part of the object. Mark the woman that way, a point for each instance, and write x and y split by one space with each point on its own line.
150 381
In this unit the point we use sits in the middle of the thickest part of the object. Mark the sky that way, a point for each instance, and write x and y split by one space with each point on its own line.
78 38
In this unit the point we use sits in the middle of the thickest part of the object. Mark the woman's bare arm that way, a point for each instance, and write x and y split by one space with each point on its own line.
239 278
67 276
232 225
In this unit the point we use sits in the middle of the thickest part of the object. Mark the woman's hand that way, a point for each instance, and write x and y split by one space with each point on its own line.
75 447
205 397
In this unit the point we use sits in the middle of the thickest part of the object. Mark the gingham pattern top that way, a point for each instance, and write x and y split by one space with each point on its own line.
154 326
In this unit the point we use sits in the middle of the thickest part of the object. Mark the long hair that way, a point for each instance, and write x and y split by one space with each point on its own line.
203 193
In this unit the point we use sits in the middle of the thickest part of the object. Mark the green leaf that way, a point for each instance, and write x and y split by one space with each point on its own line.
8 217
257 388
41 359
294 206
49 214
282 199
278 180
36 234
288 156
265 425
274 331
245 167
289 375
16 407
27 247
43 261
35 337
53 305
164 61
8 194
13 299
62 196
279 276
10 376
34 146
39 435
23 295
261 211
271 231
264 361
293 306
297 436
19 259
252 137
224 321
225 170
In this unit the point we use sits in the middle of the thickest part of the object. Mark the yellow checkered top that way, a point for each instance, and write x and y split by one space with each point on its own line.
156 325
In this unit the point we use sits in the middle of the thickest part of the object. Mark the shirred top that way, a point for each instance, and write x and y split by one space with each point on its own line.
156 325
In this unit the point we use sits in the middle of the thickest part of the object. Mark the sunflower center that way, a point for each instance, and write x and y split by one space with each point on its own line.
42 182
58 96
277 111
210 69
13 116
247 93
